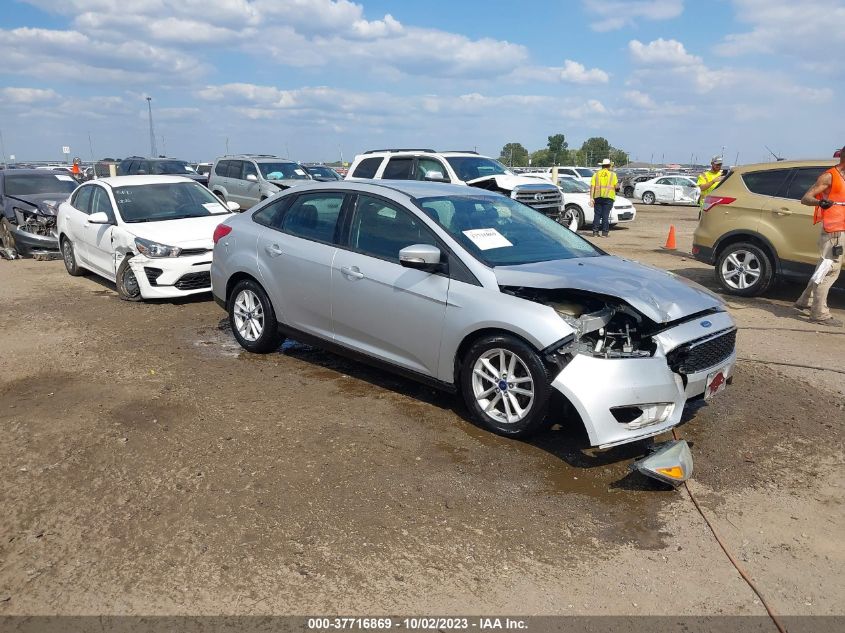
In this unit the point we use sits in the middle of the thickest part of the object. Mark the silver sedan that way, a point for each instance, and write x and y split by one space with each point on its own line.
478 294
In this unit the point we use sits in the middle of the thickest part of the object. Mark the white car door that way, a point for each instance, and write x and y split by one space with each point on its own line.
76 218
664 190
685 191
98 237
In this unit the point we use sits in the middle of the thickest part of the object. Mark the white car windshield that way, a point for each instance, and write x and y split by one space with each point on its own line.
166 201
473 167
499 231
588 173
570 185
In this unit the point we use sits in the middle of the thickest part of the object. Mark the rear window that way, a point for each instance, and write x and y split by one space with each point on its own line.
804 178
398 169
221 168
367 168
769 182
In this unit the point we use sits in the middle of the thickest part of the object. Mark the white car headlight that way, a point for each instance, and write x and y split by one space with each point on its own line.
154 249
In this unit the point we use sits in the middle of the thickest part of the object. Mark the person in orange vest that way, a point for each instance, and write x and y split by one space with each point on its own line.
827 195
74 170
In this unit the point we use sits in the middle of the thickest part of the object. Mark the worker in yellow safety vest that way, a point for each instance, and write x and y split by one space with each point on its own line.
603 186
708 181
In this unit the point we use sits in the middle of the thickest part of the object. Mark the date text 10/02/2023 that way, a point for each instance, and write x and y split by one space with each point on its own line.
416 623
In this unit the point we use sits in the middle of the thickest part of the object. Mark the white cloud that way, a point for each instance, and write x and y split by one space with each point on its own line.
27 95
578 73
640 99
615 14
662 52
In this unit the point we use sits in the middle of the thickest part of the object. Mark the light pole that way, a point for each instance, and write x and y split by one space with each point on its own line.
153 151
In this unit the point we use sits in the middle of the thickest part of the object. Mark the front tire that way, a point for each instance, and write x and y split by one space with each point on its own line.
128 287
505 386
648 198
744 269
628 192
572 213
252 318
69 257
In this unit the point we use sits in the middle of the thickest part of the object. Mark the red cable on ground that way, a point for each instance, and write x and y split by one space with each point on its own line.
770 610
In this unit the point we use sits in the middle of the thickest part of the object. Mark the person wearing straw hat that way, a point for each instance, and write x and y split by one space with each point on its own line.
603 186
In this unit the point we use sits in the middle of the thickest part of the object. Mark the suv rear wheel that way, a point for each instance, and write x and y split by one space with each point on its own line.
744 269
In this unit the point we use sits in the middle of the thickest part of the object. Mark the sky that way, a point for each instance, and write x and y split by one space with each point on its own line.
317 80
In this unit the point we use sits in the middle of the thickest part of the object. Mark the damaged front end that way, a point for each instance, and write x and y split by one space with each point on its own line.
613 369
34 229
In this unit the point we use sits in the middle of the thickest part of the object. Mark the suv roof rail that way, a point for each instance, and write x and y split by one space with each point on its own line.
401 149
250 156
459 151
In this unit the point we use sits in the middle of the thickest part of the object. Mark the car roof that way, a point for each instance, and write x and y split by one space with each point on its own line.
785 164
411 188
126 181
34 172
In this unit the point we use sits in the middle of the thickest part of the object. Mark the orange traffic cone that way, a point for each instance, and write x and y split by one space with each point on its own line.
670 241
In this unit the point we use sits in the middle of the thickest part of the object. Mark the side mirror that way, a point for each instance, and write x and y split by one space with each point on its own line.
98 218
421 257
435 176
233 206
252 177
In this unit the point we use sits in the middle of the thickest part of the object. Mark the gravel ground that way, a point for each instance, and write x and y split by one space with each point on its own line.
151 467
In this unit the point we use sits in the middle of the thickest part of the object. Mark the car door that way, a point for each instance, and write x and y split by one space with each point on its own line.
234 184
379 307
684 191
664 190
251 189
795 220
295 255
76 218
98 237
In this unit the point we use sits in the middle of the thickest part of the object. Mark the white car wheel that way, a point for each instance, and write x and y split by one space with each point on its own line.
248 315
502 386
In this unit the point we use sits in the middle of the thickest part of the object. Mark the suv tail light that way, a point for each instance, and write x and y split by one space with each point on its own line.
221 231
712 201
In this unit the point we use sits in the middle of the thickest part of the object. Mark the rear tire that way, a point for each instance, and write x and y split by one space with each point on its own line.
628 192
69 258
744 269
573 212
252 318
648 198
128 288
505 386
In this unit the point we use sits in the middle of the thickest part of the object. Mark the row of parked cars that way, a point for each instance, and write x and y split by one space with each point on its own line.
487 297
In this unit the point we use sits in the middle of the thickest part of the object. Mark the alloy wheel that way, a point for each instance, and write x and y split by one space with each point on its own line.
741 269
249 315
502 385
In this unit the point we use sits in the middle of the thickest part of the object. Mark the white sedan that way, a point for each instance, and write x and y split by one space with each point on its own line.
577 211
151 235
667 190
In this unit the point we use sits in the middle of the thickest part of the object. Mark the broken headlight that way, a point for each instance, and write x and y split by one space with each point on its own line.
154 249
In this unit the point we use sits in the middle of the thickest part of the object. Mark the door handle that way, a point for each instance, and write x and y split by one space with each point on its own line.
783 211
273 250
352 272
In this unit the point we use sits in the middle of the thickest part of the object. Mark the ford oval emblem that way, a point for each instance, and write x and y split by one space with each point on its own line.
706 324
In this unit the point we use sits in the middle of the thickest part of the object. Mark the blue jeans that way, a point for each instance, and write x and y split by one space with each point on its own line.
601 214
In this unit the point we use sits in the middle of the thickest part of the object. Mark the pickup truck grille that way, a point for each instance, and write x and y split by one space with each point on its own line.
703 354
547 201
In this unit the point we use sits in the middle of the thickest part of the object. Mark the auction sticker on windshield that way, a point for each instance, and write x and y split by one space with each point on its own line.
485 239
65 178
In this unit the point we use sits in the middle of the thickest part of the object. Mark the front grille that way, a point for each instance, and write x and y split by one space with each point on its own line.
152 274
194 251
542 200
625 216
194 281
698 356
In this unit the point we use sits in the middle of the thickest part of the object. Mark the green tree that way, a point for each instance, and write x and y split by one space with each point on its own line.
557 143
541 158
619 157
595 149
514 155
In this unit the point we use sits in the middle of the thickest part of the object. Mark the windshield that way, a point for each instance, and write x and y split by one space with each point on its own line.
172 167
582 171
282 171
166 201
325 172
472 167
499 231
23 184
570 185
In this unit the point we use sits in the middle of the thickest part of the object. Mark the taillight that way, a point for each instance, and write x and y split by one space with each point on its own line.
220 232
712 201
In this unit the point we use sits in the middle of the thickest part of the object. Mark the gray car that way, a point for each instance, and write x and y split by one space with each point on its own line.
250 178
476 293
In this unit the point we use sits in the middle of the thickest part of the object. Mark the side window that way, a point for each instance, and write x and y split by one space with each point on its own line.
82 199
804 178
314 216
249 168
426 165
271 215
381 229
235 168
222 168
662 181
398 169
769 182
367 168
100 202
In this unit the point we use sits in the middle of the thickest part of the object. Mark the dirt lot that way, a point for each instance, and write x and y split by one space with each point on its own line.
148 466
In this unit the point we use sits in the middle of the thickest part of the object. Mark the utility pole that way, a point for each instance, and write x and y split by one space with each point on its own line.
3 150
153 151
163 145
93 160
227 146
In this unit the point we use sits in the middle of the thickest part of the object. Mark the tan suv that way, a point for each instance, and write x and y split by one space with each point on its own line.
754 229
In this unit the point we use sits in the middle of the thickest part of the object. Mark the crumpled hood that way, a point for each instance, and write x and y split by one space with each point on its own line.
287 183
34 199
509 183
184 233
657 294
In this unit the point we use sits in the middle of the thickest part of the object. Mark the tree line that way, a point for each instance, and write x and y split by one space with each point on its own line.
558 152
